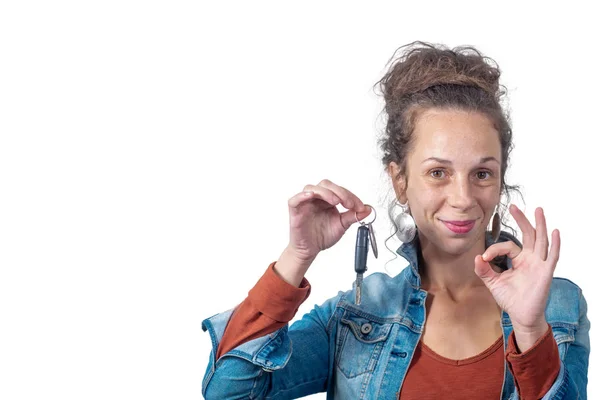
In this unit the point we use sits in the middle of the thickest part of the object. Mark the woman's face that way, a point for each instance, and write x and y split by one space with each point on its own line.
453 175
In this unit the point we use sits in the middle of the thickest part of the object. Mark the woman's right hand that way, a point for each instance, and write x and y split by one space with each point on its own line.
315 222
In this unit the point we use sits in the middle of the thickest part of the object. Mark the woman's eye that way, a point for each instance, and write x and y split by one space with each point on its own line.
437 173
483 174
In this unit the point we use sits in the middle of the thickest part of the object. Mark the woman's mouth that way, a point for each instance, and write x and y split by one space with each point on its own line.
460 226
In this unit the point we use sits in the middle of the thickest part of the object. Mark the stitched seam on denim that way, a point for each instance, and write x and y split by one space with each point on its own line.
235 353
365 384
343 335
566 325
207 379
558 390
406 277
213 336
348 307
564 339
254 385
331 319
279 334
279 392
562 389
418 327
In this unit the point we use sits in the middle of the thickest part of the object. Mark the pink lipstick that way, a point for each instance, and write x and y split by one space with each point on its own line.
460 226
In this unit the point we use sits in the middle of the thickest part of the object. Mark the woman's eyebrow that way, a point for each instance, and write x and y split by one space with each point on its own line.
442 161
486 159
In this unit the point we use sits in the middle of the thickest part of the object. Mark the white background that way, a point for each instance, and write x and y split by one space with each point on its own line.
148 150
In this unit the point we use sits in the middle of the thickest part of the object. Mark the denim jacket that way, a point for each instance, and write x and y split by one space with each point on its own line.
364 352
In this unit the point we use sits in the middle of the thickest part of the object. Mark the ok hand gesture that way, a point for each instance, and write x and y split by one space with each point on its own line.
522 291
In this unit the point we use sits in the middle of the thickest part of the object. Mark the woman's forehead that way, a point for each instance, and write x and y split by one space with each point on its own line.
455 134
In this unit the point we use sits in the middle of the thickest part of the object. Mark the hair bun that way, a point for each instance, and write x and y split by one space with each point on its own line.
422 65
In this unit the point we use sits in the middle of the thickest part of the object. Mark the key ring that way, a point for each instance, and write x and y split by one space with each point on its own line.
366 223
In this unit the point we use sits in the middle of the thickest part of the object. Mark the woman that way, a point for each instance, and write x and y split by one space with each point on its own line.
475 314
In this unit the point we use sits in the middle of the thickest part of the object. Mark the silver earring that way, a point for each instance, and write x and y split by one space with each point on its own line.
405 223
496 226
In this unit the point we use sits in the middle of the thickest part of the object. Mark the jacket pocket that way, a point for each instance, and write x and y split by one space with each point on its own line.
359 344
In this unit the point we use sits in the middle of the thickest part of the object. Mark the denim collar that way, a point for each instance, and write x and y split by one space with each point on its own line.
410 251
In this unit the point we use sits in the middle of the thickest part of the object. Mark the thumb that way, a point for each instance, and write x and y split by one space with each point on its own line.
484 271
349 217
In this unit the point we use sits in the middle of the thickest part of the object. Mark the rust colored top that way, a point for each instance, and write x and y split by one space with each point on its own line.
273 302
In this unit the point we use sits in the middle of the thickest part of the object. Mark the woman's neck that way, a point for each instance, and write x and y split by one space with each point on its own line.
451 273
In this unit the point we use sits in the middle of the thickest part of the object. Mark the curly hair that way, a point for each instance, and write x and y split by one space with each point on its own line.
426 76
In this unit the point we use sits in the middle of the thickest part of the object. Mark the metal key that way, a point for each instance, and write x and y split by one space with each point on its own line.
360 258
372 238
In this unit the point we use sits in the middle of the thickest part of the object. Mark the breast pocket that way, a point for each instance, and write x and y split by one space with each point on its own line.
360 343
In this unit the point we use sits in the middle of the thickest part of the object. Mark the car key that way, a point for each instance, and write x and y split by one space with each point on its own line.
360 258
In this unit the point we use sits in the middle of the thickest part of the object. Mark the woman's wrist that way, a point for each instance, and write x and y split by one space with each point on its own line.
527 337
291 267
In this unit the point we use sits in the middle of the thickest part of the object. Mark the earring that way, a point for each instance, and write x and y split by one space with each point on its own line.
407 229
496 226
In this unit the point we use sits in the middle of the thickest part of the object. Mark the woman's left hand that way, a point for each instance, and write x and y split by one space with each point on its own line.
522 291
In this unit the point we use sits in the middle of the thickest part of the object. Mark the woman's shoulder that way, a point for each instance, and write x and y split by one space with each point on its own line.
563 301
560 283
564 287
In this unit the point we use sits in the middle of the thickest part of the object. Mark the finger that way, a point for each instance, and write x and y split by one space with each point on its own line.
508 248
525 225
554 249
349 199
324 194
348 218
485 272
300 198
541 234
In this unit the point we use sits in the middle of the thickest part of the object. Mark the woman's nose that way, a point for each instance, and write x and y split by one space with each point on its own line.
461 194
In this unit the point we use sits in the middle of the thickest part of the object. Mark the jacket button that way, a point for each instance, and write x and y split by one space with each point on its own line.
366 328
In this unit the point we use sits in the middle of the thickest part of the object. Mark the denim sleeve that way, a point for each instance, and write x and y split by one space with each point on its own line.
572 379
289 363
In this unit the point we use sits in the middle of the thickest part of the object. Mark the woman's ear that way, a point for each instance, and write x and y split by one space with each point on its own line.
398 181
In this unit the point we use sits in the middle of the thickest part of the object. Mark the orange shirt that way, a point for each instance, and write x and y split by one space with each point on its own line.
273 302
477 377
